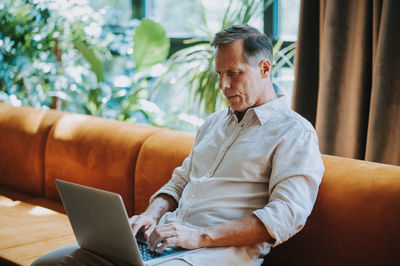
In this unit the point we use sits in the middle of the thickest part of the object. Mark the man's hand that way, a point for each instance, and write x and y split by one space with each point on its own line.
174 233
242 232
142 223
147 221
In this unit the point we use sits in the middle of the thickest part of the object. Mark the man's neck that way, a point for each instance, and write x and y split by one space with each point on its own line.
240 115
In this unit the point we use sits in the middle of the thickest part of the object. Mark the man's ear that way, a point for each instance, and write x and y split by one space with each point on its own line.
265 68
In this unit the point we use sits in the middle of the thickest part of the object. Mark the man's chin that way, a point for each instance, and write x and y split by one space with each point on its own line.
237 108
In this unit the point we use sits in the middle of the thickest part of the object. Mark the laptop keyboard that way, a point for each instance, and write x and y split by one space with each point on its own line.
148 255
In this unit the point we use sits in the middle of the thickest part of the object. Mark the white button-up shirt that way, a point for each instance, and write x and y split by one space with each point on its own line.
268 164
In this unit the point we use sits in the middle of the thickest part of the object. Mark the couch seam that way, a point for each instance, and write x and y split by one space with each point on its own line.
135 164
49 131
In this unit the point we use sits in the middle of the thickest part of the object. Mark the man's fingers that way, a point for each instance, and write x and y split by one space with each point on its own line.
156 237
149 230
166 243
139 222
136 227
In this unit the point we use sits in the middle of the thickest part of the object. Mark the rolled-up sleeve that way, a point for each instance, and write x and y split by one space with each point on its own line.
297 170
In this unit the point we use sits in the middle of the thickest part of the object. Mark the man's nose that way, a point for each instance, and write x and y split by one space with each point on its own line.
224 82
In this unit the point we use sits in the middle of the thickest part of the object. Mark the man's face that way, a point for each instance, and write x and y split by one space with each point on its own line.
240 82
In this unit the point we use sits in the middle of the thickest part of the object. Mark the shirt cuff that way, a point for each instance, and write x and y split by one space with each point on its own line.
260 214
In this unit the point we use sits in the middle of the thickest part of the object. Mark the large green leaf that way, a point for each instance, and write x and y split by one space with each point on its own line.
95 63
151 45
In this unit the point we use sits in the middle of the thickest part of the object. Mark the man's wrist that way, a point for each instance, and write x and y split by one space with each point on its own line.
151 216
160 205
205 238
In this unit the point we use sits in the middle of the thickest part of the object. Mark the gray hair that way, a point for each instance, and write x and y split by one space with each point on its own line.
256 46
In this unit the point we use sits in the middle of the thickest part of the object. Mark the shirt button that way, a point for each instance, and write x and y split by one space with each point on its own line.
193 196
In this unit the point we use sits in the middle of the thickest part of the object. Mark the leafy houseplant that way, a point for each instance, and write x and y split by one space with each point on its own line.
24 41
51 50
33 71
151 47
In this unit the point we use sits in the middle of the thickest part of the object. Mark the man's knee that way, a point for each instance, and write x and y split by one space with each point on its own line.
57 257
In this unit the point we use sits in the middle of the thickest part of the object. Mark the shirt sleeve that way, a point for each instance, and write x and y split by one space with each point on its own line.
297 170
178 181
180 177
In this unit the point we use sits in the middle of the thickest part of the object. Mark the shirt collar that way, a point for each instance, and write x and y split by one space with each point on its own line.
265 111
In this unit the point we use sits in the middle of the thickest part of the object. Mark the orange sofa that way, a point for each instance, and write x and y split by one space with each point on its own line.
356 219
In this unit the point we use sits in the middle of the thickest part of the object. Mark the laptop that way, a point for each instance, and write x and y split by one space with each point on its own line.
100 224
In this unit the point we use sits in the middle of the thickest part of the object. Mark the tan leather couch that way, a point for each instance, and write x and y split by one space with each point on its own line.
356 219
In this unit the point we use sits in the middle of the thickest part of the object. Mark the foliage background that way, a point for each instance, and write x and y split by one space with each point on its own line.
65 55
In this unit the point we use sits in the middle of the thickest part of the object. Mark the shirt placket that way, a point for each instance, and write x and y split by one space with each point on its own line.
225 146
196 187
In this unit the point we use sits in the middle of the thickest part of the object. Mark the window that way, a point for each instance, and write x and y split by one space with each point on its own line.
182 18
286 19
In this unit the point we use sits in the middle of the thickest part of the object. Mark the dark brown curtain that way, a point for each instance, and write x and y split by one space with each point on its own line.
347 79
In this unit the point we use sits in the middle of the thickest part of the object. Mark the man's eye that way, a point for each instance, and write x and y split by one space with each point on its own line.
232 73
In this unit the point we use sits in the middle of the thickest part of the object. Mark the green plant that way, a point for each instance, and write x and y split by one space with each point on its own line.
24 41
58 53
282 58
151 47
193 67
65 52
39 59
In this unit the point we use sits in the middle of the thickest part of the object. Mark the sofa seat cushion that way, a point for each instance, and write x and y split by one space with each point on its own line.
28 231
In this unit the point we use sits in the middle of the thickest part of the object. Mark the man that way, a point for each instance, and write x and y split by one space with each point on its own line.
253 174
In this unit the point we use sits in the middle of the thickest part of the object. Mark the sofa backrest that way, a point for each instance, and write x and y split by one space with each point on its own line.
160 154
23 136
39 146
96 152
355 221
